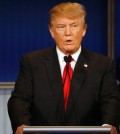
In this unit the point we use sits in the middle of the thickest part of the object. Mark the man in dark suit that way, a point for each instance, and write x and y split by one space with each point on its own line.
38 97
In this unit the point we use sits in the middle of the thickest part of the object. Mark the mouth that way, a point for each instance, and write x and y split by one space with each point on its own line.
68 41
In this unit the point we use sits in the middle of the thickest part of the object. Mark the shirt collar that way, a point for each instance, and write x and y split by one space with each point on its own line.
74 56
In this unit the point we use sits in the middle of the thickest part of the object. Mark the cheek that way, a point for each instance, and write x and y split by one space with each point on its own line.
58 39
58 36
79 35
78 38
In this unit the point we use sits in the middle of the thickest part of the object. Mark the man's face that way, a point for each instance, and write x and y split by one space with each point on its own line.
68 34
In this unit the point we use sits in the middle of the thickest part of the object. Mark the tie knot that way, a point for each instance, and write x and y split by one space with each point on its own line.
68 58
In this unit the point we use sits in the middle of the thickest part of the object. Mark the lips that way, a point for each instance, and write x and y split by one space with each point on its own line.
68 41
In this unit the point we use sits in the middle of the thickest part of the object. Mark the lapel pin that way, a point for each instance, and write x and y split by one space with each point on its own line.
85 65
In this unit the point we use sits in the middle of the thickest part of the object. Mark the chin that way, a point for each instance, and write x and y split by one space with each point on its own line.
69 52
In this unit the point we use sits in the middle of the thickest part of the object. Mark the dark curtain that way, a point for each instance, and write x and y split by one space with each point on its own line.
24 28
117 39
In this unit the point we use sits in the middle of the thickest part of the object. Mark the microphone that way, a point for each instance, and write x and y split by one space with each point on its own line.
68 58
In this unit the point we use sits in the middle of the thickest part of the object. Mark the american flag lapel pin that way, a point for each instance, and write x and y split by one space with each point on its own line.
85 65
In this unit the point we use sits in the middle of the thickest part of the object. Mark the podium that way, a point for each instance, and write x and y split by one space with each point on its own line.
66 130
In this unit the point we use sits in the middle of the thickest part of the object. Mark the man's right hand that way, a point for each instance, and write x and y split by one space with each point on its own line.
20 129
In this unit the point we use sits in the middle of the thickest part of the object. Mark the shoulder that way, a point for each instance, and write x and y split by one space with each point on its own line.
39 54
94 55
97 59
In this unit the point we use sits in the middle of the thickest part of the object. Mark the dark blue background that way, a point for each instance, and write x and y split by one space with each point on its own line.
117 28
24 27
117 37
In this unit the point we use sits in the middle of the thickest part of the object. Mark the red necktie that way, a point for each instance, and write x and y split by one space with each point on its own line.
67 76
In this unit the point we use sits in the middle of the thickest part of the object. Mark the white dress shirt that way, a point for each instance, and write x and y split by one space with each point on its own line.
61 58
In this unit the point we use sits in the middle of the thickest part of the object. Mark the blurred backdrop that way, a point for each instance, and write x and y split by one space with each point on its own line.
24 27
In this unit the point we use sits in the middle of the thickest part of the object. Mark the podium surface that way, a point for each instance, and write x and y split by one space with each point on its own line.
66 130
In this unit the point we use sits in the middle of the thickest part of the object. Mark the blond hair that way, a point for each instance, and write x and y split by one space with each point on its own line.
69 10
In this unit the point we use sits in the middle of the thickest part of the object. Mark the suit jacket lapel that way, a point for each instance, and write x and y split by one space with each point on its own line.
77 80
54 75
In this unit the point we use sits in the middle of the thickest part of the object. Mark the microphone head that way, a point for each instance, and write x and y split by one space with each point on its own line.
68 58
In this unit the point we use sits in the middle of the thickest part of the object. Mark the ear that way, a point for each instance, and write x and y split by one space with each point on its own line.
84 30
51 32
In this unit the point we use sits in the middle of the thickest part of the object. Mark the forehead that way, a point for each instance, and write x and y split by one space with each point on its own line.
65 20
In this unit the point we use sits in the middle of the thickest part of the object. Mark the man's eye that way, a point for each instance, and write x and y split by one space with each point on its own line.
60 27
74 26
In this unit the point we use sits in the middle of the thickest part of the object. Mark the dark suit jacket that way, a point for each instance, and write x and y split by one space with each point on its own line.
38 96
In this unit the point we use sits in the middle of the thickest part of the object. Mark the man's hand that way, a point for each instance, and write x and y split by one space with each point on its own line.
20 129
113 129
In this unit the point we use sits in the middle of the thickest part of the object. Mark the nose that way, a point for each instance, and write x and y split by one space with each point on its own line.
67 31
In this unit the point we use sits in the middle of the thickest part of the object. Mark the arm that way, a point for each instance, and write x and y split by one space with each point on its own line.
20 102
110 98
